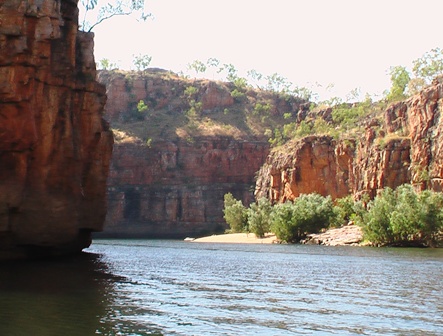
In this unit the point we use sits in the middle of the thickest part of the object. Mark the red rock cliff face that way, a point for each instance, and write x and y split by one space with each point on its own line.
54 146
408 148
175 189
312 164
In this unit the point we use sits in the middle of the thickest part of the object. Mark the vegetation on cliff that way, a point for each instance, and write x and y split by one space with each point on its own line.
160 105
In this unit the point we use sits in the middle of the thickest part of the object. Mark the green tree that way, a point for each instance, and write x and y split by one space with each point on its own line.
106 64
141 62
310 213
256 77
197 66
259 217
399 81
142 107
278 83
404 217
235 214
429 65
97 11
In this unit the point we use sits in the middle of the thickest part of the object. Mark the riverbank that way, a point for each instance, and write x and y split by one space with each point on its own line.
346 235
238 238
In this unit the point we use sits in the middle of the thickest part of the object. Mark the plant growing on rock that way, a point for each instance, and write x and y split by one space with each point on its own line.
141 62
198 67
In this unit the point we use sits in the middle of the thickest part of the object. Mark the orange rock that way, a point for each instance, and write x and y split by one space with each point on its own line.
54 146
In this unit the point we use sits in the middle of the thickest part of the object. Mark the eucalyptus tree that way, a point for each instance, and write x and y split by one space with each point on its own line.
97 11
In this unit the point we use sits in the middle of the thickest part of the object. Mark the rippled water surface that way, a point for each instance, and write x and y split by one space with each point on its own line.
146 287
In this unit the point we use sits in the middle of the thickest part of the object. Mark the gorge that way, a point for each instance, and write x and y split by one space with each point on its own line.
180 143
172 185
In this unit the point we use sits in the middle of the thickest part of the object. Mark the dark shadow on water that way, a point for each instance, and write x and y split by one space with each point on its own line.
64 296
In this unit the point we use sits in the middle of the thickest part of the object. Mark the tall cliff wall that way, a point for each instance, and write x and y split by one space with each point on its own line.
173 163
175 189
406 148
55 148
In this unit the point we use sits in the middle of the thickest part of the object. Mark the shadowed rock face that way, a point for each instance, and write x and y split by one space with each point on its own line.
55 147
175 188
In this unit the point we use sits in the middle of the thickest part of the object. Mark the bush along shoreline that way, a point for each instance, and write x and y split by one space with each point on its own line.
400 217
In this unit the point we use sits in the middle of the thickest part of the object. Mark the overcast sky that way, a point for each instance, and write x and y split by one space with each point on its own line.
349 43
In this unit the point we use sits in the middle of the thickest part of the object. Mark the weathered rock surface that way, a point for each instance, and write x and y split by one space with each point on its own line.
172 165
175 189
350 235
407 148
55 147
312 164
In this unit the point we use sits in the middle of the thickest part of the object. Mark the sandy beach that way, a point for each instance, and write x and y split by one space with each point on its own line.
242 238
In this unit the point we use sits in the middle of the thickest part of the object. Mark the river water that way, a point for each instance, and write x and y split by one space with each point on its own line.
157 287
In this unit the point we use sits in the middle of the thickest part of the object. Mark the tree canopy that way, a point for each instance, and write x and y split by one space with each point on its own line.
98 11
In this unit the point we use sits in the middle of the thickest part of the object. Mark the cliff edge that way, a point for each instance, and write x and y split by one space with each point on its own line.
55 148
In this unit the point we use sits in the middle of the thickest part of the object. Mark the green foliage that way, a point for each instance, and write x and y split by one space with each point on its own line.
141 62
98 11
259 217
345 210
106 64
238 95
404 217
235 214
255 76
197 66
213 62
190 91
399 80
291 222
277 83
142 107
429 65
260 108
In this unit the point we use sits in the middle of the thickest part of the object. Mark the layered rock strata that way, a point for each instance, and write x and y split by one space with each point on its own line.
312 164
407 148
55 148
175 189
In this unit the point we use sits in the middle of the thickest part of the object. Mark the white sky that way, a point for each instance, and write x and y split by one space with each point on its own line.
350 43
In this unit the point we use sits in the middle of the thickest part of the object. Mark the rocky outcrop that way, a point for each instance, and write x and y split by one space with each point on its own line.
159 89
406 148
348 235
312 164
55 147
175 189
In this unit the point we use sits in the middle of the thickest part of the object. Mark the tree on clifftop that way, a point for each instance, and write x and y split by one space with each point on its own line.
96 11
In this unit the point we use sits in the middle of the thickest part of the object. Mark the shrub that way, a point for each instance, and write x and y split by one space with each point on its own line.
234 214
308 214
259 217
404 217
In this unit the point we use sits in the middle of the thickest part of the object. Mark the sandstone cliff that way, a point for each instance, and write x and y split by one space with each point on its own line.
405 148
55 147
175 189
174 162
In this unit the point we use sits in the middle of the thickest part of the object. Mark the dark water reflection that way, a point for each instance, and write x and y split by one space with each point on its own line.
142 287
71 296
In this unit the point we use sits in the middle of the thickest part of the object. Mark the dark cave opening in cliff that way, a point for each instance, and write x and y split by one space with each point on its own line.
132 204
